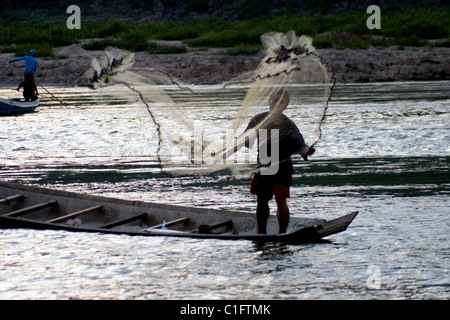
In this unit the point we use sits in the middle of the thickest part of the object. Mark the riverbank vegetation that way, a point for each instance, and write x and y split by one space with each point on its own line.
409 27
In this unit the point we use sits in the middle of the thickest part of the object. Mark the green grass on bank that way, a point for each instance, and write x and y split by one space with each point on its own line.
412 27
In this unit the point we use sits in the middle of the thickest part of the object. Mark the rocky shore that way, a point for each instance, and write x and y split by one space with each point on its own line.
73 67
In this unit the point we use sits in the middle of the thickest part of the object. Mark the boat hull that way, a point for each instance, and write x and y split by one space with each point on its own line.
38 208
13 107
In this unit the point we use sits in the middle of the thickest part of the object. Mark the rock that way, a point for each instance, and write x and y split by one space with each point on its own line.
198 68
71 51
349 66
389 64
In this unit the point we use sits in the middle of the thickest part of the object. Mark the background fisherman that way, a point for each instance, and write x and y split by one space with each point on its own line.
31 65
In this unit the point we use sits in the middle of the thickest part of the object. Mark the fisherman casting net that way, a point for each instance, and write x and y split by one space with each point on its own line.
198 127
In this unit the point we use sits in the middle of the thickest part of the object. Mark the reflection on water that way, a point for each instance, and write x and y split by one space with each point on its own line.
384 151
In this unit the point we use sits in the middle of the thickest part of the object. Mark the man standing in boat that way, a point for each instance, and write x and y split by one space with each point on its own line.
31 65
267 183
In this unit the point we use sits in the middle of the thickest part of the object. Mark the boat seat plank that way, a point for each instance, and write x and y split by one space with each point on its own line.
15 197
169 223
207 228
124 221
75 214
31 209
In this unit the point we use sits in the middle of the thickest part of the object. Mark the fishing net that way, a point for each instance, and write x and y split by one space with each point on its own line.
199 127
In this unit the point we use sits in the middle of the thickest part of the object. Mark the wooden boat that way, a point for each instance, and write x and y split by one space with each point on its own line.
16 107
23 206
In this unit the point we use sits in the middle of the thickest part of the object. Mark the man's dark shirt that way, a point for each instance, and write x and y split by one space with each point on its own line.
290 141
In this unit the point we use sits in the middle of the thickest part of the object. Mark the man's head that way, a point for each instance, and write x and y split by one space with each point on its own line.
279 100
32 52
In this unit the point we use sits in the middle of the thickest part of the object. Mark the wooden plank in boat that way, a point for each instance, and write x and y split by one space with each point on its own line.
75 214
208 229
21 212
124 221
169 223
164 232
202 229
15 197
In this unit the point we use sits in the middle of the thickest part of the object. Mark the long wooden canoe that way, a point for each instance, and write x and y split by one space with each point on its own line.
23 206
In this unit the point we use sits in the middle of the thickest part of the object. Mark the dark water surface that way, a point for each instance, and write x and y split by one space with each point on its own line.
385 151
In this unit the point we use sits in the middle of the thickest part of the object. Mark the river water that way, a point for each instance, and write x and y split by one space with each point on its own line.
385 151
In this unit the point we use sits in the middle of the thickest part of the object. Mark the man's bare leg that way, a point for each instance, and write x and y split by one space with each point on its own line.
262 214
283 215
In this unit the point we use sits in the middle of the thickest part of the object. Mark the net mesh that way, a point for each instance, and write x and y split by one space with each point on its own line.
190 143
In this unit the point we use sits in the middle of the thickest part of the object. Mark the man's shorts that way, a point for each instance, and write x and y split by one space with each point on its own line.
28 76
266 187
